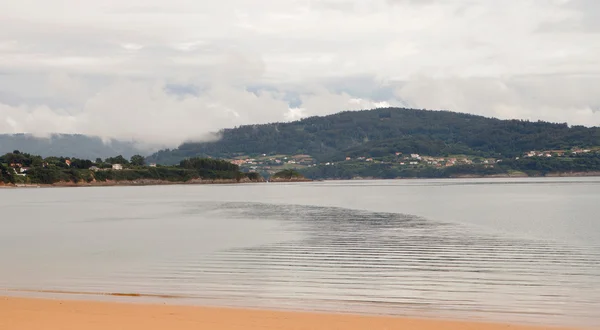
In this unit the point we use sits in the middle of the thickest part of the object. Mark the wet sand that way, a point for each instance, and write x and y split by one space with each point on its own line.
48 314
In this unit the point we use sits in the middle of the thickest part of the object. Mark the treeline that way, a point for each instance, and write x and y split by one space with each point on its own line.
288 174
535 166
213 168
17 167
6 175
374 133
543 165
29 160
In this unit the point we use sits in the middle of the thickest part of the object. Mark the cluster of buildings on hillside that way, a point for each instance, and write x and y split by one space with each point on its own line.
557 153
416 159
269 163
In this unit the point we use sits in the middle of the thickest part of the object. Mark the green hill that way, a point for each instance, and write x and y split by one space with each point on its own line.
380 132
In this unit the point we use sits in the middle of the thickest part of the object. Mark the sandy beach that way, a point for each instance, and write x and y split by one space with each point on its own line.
48 314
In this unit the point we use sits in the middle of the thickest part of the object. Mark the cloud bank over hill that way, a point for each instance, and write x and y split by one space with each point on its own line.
162 73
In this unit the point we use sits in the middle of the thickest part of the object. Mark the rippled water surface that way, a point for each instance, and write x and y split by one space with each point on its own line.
499 250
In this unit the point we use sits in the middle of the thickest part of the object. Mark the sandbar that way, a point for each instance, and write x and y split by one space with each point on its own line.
56 314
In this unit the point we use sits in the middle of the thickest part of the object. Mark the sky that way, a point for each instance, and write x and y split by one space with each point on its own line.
163 72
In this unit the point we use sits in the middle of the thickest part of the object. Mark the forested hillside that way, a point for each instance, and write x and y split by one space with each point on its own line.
375 133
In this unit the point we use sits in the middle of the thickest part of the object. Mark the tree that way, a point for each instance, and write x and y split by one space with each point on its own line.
117 160
6 174
81 163
287 174
137 160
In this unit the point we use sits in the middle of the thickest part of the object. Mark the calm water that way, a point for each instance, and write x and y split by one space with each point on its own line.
504 250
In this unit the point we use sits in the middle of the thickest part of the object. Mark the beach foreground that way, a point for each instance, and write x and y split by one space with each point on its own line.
47 314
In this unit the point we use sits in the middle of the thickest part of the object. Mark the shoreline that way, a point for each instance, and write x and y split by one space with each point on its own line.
145 182
137 183
18 313
590 174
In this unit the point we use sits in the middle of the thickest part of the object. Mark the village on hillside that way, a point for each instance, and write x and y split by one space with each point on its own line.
273 163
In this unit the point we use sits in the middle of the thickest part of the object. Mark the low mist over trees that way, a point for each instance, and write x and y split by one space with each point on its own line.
75 145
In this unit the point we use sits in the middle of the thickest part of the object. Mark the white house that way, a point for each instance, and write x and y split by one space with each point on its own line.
117 167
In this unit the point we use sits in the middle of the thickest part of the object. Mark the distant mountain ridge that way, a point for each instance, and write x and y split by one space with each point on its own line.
68 145
374 133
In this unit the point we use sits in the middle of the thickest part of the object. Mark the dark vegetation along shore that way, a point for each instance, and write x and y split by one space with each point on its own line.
23 169
288 175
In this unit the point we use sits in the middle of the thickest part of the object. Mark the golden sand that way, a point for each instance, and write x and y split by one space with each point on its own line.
48 314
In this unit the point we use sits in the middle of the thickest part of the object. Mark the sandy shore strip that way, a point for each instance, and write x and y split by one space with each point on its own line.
50 314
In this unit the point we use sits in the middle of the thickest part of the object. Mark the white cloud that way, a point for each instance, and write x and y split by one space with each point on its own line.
573 99
108 67
145 111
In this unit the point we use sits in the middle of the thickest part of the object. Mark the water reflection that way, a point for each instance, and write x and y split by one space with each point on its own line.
304 257
397 264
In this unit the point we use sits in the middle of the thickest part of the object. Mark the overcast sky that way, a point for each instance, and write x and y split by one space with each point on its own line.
166 71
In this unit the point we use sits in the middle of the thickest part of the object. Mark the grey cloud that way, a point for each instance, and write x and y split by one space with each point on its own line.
362 86
183 90
584 16
590 10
